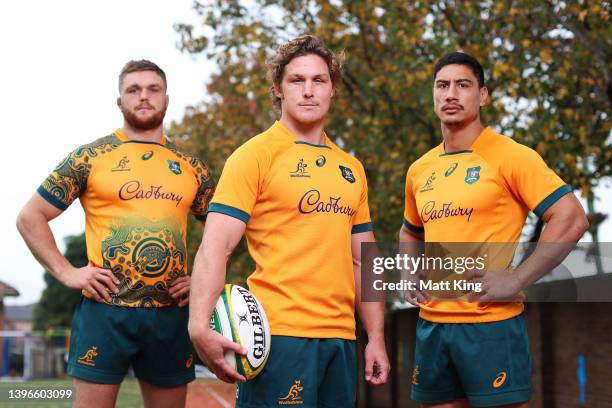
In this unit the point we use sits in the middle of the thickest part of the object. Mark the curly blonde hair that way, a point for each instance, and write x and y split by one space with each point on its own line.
300 46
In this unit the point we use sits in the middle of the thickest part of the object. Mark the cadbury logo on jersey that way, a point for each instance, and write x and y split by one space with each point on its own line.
311 202
132 191
429 212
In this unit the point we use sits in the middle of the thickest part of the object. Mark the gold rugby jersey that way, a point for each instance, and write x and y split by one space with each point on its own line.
479 195
136 197
301 203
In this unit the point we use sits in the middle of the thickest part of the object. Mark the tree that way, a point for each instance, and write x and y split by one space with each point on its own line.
58 302
547 67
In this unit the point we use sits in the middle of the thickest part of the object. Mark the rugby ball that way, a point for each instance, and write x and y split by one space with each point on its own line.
239 317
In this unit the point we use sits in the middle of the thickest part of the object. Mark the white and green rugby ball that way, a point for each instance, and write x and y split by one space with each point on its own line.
239 317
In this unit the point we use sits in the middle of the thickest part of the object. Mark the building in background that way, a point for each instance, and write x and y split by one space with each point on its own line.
6 290
19 317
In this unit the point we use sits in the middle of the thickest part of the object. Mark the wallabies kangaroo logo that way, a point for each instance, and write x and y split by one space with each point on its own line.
300 170
415 375
87 358
122 165
293 396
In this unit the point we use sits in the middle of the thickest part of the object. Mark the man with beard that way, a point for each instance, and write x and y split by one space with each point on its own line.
136 189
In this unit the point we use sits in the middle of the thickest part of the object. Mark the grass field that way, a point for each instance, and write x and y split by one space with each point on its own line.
129 394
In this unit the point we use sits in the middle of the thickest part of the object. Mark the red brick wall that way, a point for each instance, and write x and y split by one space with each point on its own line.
568 330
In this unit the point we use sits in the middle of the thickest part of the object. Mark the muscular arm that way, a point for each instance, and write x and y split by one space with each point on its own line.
33 225
221 235
372 316
405 235
565 222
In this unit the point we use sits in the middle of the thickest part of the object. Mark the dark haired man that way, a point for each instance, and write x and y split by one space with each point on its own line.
303 203
136 189
478 186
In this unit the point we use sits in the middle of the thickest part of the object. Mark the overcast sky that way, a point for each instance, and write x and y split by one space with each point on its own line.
60 62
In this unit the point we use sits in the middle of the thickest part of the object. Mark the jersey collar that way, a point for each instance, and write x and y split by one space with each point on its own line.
476 144
124 138
279 128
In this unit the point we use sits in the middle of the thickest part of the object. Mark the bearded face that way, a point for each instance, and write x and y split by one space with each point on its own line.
143 100
144 116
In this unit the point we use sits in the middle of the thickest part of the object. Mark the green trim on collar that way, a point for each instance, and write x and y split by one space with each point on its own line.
457 152
312 144
143 142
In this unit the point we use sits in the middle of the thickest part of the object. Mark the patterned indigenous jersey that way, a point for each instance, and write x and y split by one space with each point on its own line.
301 203
136 196
480 195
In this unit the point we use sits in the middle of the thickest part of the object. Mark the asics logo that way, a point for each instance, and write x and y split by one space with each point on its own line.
499 380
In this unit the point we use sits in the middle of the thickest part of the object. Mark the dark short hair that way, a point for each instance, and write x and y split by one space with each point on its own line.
300 46
141 65
461 58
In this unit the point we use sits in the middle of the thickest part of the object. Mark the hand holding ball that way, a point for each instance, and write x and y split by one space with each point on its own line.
239 317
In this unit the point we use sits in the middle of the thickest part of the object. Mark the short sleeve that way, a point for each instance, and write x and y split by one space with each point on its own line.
362 221
68 181
530 180
206 189
412 221
239 184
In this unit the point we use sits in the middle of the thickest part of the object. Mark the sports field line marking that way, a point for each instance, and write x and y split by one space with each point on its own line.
218 397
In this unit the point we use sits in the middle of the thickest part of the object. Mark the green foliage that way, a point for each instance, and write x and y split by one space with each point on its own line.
57 302
547 67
